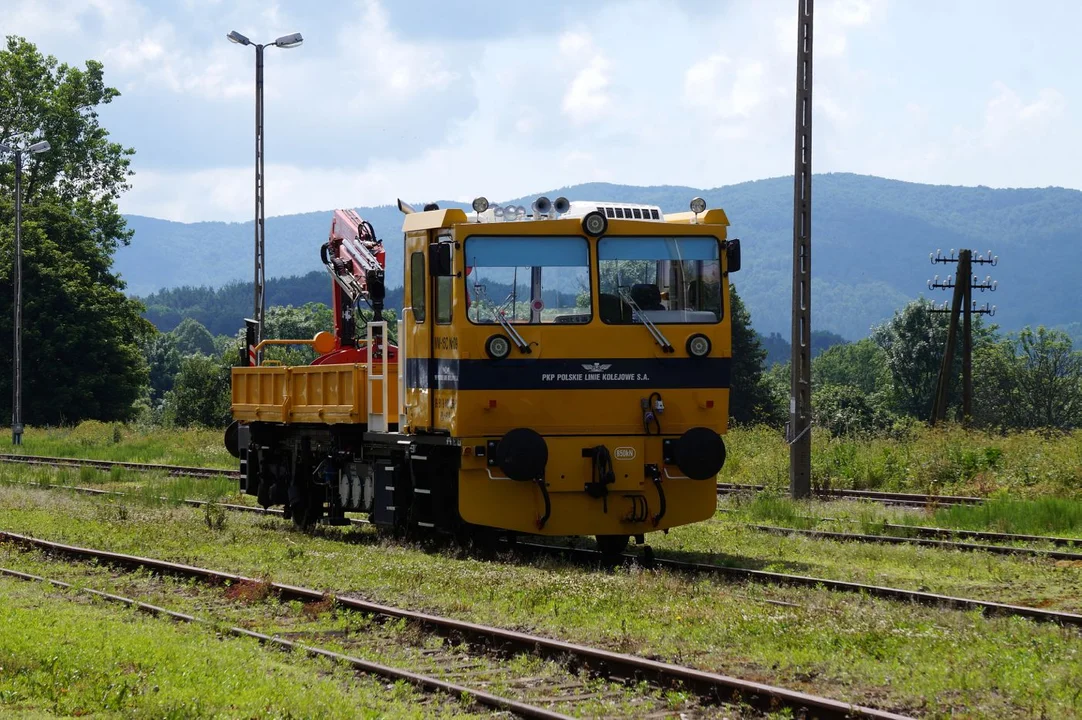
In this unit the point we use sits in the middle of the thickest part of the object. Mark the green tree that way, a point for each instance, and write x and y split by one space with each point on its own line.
163 360
1049 379
996 401
201 394
191 338
913 342
298 323
82 336
846 410
861 365
751 399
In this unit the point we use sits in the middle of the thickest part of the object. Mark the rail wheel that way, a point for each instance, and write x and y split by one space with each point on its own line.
612 546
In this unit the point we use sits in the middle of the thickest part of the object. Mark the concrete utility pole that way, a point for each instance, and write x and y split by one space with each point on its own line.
800 408
17 345
962 304
259 281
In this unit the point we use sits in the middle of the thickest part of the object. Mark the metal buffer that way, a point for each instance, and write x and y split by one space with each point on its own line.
964 282
800 408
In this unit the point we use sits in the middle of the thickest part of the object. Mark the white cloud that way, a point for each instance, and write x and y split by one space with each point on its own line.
380 103
587 98
1007 114
377 59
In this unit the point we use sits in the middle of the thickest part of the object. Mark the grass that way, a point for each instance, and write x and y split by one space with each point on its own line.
927 661
947 461
1038 516
64 655
395 643
129 443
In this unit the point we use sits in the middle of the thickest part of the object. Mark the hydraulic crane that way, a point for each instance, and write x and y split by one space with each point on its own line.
356 261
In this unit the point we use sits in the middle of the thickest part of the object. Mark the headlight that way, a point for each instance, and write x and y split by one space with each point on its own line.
698 345
480 204
498 347
594 223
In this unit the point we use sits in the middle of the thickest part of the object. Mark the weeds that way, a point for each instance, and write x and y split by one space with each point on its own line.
946 460
1047 515
214 516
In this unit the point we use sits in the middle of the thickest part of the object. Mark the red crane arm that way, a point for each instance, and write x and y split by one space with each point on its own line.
356 261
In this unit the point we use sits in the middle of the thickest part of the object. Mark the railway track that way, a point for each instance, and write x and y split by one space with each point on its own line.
425 683
175 470
711 687
891 593
763 576
723 488
922 542
888 498
917 538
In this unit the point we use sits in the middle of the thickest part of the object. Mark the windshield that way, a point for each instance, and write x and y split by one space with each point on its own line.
666 279
527 279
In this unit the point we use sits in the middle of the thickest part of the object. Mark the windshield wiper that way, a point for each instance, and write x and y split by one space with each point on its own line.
638 314
499 316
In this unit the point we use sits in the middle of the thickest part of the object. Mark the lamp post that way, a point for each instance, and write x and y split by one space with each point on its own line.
17 354
284 42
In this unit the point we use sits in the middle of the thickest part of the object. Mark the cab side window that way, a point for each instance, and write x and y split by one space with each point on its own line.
443 299
417 286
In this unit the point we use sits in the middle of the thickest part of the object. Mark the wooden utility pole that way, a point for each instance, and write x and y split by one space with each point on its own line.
961 296
800 408
963 284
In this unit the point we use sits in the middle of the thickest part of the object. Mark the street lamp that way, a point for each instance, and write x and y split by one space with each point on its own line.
17 359
285 42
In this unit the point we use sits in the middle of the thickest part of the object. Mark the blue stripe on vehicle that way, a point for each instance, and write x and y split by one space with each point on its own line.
569 373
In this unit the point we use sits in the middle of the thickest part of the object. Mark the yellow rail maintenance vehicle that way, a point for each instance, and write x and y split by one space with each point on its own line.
559 373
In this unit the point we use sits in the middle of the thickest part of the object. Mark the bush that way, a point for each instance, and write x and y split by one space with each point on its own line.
844 410
201 394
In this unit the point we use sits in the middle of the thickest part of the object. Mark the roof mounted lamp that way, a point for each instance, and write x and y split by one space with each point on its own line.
698 205
594 223
480 204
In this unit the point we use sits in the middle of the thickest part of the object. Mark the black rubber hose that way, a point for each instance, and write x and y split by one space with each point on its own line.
548 505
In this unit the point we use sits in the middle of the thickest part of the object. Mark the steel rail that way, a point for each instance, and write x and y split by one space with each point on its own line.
912 530
424 682
782 578
766 576
776 578
707 684
937 532
723 488
876 495
176 470
897 540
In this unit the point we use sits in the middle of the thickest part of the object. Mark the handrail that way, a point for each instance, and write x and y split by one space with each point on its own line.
263 343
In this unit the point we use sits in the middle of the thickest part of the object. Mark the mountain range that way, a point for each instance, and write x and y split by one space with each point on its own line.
871 240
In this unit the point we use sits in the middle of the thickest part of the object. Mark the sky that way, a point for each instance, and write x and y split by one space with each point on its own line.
450 99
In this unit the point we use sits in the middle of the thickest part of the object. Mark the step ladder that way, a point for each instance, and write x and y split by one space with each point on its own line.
376 371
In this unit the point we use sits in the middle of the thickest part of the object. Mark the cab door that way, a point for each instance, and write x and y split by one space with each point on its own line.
416 329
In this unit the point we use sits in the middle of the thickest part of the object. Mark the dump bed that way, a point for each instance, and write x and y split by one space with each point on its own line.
328 394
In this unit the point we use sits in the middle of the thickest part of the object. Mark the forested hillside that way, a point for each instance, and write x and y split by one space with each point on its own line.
871 236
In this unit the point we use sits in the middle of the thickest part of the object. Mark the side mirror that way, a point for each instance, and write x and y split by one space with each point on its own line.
732 255
439 259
